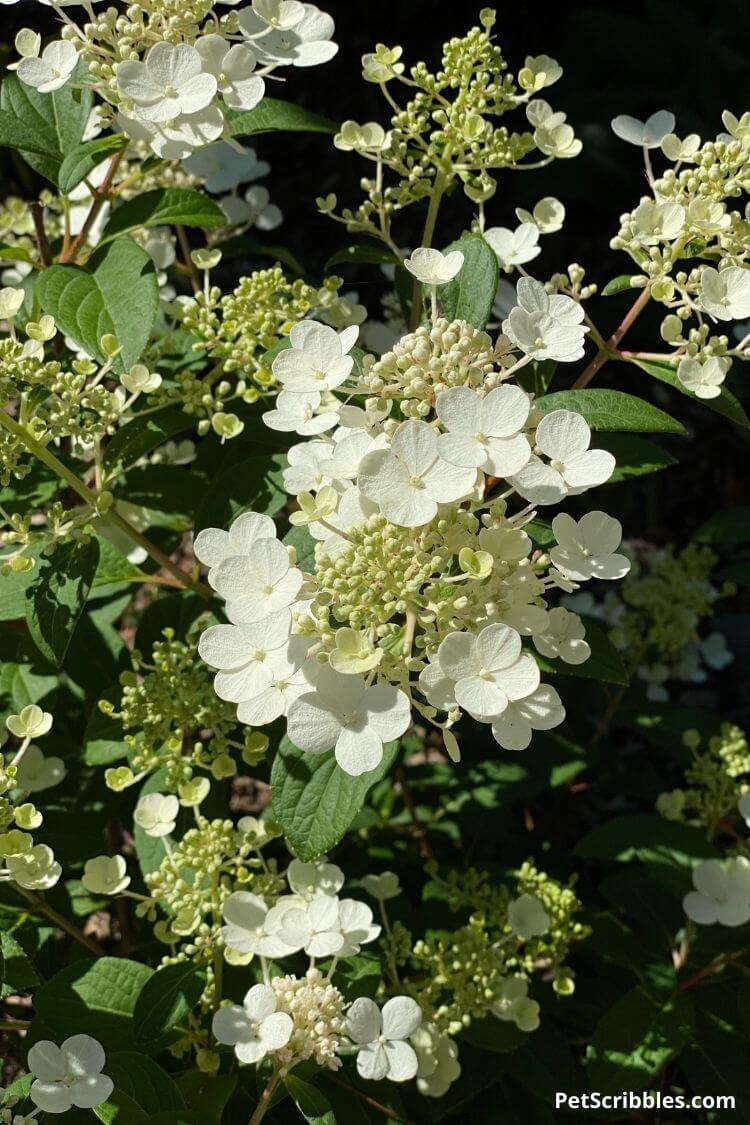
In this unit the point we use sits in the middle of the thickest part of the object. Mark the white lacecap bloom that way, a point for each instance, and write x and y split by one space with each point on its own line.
383 886
722 893
705 378
563 637
139 380
344 714
485 433
69 1075
309 880
544 325
512 1003
260 582
410 479
318 359
298 413
256 1029
382 1037
314 927
246 655
725 294
676 149
514 247
548 215
232 66
212 545
539 71
649 133
32 722
168 84
527 917
564 438
586 549
177 138
487 669
105 875
36 869
308 467
432 267
252 928
52 69
223 167
437 1061
254 209
542 710
35 772
657 222
156 814
11 300
304 42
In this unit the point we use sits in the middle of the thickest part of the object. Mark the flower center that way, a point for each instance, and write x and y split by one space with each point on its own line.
558 466
268 588
259 654
416 482
170 92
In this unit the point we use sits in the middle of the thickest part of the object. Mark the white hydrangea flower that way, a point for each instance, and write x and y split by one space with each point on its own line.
382 1037
258 583
527 917
232 66
488 670
156 814
563 637
513 1004
318 359
35 773
722 893
545 326
246 654
251 928
657 222
31 722
437 1061
725 294
11 300
345 715
256 1029
542 710
168 84
52 69
514 247
303 42
586 549
223 167
676 149
552 135
564 438
212 545
36 869
409 479
356 925
309 880
715 651
484 433
176 139
105 875
314 927
649 134
432 267
292 677
548 215
539 71
704 379
69 1075
383 886
255 209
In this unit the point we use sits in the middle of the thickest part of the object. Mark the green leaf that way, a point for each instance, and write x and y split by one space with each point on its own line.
537 376
725 403
604 664
727 528
304 544
313 1106
206 1093
161 488
715 1062
142 1090
142 434
164 1002
275 116
365 255
635 456
254 484
104 738
118 293
612 410
79 163
314 800
635 1039
97 996
647 837
165 207
18 973
492 1034
55 599
14 254
44 128
618 284
471 293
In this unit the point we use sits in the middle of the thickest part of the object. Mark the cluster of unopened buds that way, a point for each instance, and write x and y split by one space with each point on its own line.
425 582
169 82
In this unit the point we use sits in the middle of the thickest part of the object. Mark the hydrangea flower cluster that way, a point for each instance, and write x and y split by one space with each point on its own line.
656 615
717 783
24 771
425 583
170 74
693 209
